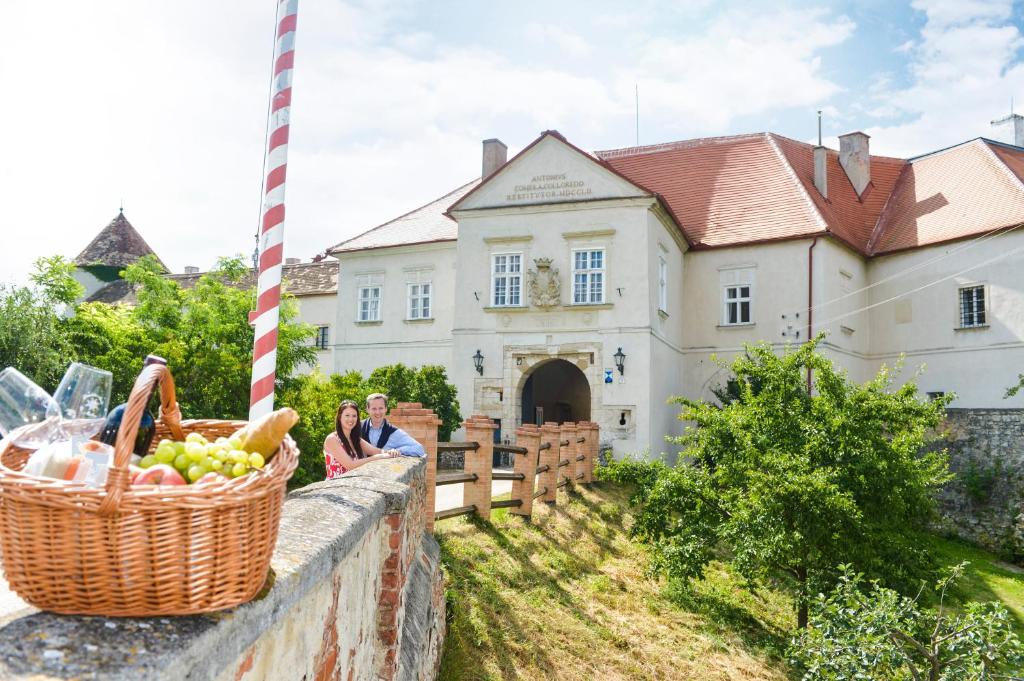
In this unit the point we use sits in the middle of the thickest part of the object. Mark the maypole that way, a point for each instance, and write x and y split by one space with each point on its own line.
271 248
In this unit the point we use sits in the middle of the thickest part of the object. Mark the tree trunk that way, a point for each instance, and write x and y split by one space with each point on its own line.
801 607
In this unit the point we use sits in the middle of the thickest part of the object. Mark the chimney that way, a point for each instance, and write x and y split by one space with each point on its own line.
1017 139
855 159
291 261
495 155
191 269
821 170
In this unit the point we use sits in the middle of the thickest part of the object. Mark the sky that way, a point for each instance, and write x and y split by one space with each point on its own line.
161 106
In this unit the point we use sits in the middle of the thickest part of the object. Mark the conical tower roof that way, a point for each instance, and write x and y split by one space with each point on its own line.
118 245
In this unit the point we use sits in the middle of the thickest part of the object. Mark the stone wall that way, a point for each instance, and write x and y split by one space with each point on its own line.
984 504
357 593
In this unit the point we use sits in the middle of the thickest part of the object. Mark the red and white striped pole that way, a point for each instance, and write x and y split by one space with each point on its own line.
268 301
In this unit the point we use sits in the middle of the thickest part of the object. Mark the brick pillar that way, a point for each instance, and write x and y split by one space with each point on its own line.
527 435
479 429
421 425
592 451
579 466
568 453
549 433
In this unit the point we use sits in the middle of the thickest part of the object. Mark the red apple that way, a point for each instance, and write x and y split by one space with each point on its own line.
160 474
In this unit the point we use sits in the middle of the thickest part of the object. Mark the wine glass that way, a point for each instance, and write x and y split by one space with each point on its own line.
83 396
29 417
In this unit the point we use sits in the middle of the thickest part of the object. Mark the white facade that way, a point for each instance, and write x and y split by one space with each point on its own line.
668 308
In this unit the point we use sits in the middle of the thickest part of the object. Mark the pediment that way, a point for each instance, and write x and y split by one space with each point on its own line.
549 171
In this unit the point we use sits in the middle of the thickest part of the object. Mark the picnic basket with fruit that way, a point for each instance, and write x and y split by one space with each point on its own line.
191 529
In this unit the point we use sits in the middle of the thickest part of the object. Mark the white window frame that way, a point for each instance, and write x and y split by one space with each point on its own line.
985 306
662 283
738 299
586 276
363 295
415 295
506 277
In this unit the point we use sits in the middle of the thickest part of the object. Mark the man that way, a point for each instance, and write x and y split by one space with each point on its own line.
377 431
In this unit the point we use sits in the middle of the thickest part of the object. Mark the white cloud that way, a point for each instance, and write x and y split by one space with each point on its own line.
568 42
963 72
163 105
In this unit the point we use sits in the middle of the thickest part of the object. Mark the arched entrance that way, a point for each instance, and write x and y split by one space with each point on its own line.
556 391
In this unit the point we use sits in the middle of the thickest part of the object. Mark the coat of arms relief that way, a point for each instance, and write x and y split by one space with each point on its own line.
545 287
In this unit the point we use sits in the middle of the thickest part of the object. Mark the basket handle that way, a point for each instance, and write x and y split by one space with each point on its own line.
117 475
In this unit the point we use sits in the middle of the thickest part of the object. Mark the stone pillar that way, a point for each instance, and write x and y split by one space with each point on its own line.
479 429
551 434
421 425
568 453
527 435
579 464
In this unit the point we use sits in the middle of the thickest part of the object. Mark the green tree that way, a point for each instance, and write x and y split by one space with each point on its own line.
879 634
397 381
433 391
791 484
33 333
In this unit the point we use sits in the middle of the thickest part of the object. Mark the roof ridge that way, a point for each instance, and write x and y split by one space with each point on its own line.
1002 164
801 189
669 146
877 230
403 215
929 154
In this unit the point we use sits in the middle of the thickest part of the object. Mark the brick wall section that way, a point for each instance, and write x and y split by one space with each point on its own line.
984 503
479 429
568 453
527 435
551 433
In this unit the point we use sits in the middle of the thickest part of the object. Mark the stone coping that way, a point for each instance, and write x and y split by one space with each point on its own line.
320 526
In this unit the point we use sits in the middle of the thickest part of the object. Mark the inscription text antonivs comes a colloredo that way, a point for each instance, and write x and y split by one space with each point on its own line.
550 187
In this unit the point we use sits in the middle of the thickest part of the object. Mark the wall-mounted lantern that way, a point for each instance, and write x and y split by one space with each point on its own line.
620 361
478 362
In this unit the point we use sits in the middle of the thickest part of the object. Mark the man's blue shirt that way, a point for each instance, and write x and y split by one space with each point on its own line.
399 440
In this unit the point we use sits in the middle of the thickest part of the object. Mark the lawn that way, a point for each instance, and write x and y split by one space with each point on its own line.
566 596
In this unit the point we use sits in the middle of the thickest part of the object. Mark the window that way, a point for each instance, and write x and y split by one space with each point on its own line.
588 276
506 279
419 301
322 338
935 395
369 303
662 284
737 305
972 307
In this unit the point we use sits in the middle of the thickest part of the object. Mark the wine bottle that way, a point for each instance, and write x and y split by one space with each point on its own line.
147 424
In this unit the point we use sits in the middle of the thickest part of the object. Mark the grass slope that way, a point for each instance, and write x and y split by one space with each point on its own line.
565 596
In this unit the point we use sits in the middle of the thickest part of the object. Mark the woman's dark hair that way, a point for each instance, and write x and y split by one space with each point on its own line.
355 447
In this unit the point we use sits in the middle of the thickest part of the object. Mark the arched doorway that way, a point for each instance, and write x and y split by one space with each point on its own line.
556 391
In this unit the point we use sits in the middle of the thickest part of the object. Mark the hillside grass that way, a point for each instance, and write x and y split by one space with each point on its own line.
566 596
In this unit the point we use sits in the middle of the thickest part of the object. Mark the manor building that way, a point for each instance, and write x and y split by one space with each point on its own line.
566 285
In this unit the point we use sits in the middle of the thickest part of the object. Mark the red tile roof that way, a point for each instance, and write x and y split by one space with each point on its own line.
759 187
972 188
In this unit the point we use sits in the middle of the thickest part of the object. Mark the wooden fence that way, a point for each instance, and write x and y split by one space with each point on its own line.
547 458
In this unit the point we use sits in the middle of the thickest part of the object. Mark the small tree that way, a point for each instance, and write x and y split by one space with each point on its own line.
880 634
791 484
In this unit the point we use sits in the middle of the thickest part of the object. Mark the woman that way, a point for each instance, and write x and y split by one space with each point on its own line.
345 449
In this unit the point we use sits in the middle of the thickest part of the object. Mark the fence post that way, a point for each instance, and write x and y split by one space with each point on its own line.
527 435
551 435
567 462
421 425
579 464
479 429
592 451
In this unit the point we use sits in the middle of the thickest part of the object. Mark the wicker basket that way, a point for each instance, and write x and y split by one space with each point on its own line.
128 551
